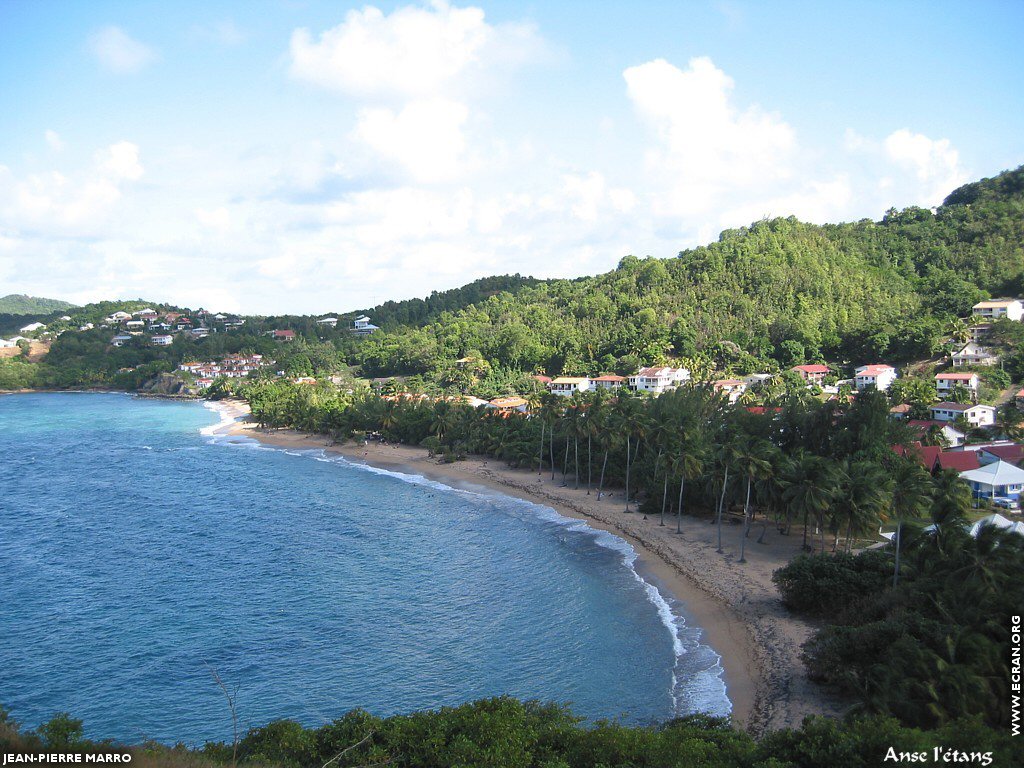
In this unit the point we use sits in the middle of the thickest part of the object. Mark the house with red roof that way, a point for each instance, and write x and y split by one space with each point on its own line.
732 388
879 376
927 455
812 374
953 436
658 379
608 381
1010 453
945 383
959 461
286 335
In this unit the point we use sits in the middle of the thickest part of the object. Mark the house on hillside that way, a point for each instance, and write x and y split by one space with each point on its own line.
509 404
119 316
283 335
1011 309
1008 452
900 411
998 480
7 344
145 314
953 436
812 374
567 386
879 376
658 379
975 415
972 354
162 340
362 326
32 327
329 322
959 461
731 388
947 382
120 340
758 379
608 381
927 455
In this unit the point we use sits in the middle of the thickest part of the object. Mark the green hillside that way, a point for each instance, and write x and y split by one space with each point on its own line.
20 304
779 292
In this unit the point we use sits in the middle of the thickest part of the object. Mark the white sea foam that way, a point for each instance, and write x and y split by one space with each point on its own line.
221 410
701 690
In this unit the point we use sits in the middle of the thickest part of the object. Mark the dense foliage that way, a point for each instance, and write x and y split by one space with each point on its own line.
934 648
505 733
20 304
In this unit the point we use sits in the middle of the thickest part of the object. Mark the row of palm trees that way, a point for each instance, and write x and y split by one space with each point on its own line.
828 468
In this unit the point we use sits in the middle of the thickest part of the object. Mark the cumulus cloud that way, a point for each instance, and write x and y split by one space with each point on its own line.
934 162
425 137
118 52
120 161
412 52
707 144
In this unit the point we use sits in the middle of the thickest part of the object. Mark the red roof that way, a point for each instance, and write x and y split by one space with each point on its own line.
811 368
610 378
956 376
284 334
543 379
874 370
928 455
961 461
1010 453
760 410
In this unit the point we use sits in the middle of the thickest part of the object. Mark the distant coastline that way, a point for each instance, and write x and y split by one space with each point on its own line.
736 606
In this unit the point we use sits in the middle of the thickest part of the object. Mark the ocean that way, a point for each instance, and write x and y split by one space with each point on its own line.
141 554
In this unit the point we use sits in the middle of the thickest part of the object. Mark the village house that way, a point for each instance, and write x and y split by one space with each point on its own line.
162 340
972 354
330 322
567 386
952 436
283 335
976 415
758 379
812 374
959 461
998 480
362 326
947 382
32 327
182 324
145 314
117 317
900 411
1009 452
120 340
135 325
1011 309
608 381
732 388
658 379
7 344
509 404
878 376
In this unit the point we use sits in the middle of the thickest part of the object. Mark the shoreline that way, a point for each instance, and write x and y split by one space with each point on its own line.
736 607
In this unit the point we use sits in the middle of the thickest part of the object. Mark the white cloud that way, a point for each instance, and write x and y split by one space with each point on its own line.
217 219
54 140
935 163
710 148
224 32
424 137
120 161
118 52
413 52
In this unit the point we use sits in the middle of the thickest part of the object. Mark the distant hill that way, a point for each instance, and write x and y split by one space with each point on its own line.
20 304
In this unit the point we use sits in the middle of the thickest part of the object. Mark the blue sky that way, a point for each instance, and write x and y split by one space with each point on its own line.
290 156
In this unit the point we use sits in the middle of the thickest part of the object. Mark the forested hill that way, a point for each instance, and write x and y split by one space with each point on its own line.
415 312
20 304
779 292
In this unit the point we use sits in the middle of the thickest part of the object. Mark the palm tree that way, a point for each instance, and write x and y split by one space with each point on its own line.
865 491
753 460
688 464
725 457
810 487
630 422
911 497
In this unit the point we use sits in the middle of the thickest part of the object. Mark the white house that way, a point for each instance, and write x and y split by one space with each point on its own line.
1012 309
758 379
120 340
162 341
878 376
119 316
135 324
976 415
973 354
997 480
997 521
145 314
33 327
812 374
330 322
658 380
947 382
732 388
362 326
567 386
607 382
6 344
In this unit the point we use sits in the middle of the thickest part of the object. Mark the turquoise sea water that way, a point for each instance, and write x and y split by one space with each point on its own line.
138 552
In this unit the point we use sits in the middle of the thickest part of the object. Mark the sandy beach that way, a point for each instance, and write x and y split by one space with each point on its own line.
736 605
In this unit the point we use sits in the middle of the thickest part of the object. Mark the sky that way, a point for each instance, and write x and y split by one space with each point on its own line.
275 156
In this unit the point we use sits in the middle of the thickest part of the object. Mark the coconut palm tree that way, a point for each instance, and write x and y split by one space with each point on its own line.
865 491
688 463
753 461
725 457
810 487
911 497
